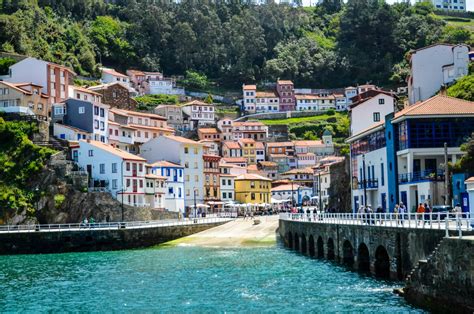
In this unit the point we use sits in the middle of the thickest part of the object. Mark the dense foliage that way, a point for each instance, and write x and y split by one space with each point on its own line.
463 88
149 102
20 160
333 44
466 163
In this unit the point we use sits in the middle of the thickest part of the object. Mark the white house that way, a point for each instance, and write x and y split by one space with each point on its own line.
227 187
370 107
185 152
435 66
200 113
119 172
225 126
174 174
299 193
69 133
155 189
266 102
449 5
53 78
249 100
112 76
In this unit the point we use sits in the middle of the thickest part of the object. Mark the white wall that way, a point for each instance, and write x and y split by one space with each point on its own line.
362 115
30 70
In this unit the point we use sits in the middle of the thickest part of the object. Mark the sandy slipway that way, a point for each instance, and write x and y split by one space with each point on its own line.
240 232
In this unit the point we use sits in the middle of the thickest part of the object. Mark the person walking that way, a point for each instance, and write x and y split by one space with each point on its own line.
402 210
396 213
458 214
420 211
427 213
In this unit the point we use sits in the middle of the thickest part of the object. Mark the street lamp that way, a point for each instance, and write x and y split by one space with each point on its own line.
364 182
195 205
37 208
319 192
292 195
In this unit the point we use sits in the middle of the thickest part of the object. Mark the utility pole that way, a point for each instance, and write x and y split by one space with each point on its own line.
446 175
195 206
319 192
292 197
364 181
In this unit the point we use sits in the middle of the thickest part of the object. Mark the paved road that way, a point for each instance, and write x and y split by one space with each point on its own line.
240 232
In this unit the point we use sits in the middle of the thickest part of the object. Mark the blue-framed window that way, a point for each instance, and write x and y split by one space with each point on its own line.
382 175
368 143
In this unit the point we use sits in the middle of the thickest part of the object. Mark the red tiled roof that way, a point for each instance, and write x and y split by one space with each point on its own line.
266 95
208 130
182 139
268 164
284 82
117 152
239 160
113 72
365 96
439 105
249 87
165 163
137 113
299 171
252 176
286 187
279 144
231 145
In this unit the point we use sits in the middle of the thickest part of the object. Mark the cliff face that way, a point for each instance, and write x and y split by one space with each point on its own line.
66 199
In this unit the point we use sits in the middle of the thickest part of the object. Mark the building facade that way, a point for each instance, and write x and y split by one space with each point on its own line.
252 189
23 98
174 174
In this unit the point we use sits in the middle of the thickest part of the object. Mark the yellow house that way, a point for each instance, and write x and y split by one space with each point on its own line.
247 146
252 188
23 98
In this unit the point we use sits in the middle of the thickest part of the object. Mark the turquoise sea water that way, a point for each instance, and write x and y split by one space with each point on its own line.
189 279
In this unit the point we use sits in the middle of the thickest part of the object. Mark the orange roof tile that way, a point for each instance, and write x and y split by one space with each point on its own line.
208 130
239 160
247 140
279 144
299 171
154 176
268 164
231 145
308 143
266 95
284 82
249 87
110 149
182 140
165 163
439 105
286 187
113 72
137 113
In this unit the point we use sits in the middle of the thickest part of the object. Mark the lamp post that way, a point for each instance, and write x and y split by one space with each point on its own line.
37 208
319 192
195 205
292 195
364 181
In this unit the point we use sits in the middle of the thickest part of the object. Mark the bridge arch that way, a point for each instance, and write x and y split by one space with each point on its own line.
311 246
289 241
348 254
331 254
296 242
304 246
382 262
320 247
363 258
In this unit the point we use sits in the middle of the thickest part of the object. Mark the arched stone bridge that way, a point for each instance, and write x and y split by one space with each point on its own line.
388 252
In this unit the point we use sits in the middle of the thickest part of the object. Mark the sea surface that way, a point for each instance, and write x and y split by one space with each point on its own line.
190 279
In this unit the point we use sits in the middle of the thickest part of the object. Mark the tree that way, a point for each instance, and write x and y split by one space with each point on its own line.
466 163
196 80
456 35
463 88
209 99
5 64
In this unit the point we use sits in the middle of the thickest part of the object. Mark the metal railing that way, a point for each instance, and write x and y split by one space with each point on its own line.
425 175
110 225
436 221
369 184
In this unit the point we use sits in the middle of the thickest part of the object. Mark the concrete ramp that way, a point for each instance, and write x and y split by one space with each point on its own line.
240 232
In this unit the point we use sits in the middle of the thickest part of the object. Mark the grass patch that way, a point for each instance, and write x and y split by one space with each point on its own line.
318 118
459 21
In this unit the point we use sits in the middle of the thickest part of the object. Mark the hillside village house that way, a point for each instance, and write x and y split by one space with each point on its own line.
121 173
225 127
227 187
185 152
370 107
249 129
23 98
315 102
153 83
286 93
236 161
435 66
328 174
209 134
155 189
269 168
247 146
146 125
117 95
295 193
137 80
252 189
302 176
211 178
112 76
200 113
401 160
174 174
91 117
53 78
450 5
231 149
174 116
249 100
210 147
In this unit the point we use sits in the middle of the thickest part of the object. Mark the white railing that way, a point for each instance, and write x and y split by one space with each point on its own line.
437 221
110 225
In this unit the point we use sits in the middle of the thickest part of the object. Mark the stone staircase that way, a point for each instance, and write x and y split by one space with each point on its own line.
423 262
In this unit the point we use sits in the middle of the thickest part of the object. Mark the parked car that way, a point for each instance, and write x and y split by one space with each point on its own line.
441 210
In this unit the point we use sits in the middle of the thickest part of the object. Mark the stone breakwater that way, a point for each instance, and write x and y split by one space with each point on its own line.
86 239
445 280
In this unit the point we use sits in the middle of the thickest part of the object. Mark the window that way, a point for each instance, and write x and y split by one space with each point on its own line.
196 178
381 101
96 110
140 167
252 196
186 164
376 116
102 112
114 184
224 195
230 194
196 150
91 152
382 175
82 110
186 178
102 168
128 166
114 167
102 125
141 183
186 150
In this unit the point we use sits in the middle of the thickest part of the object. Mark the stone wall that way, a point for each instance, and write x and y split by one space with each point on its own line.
93 239
403 247
444 282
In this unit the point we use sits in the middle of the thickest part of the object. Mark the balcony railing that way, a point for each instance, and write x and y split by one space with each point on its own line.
425 175
369 184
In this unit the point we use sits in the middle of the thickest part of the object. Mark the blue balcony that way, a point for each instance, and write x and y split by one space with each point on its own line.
369 184
420 176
